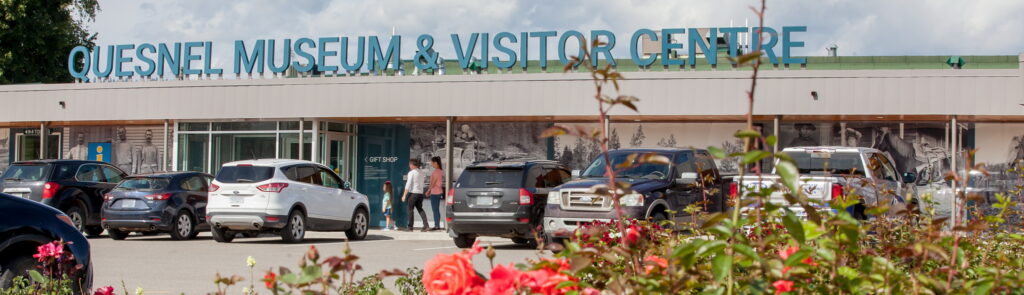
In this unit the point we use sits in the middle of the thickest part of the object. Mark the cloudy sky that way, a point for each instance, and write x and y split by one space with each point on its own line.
858 27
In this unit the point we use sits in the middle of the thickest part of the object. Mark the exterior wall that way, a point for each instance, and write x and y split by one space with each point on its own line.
784 92
134 154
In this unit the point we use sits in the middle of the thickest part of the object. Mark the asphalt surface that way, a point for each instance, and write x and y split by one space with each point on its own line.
163 266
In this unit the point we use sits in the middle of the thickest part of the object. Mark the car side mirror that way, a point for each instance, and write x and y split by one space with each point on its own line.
345 185
576 174
687 178
909 177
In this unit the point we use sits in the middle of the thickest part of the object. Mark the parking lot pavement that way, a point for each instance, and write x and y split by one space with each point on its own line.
163 266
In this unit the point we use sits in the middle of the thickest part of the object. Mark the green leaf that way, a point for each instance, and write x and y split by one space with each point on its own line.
37 277
983 288
746 251
811 230
748 133
794 226
310 274
789 174
714 220
721 265
716 152
565 284
754 156
289 279
771 140
848 272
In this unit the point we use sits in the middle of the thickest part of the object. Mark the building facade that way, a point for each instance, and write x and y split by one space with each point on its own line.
366 127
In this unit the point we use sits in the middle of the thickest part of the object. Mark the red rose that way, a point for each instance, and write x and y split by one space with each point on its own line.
108 290
504 280
452 274
632 235
782 286
654 262
545 281
784 253
270 279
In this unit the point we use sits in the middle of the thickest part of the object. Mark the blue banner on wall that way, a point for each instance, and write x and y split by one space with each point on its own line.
99 151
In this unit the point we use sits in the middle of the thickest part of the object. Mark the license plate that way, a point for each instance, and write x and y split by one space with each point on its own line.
483 201
130 203
237 200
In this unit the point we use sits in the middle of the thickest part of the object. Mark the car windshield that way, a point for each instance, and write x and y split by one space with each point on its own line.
642 170
820 163
143 184
25 172
491 177
244 174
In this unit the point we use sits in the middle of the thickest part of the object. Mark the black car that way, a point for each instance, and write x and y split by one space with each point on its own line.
24 226
502 199
73 187
157 203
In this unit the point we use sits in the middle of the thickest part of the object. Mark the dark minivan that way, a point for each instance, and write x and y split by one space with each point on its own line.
172 202
24 226
71 186
502 199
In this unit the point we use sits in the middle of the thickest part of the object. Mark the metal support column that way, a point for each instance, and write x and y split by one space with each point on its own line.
608 125
901 130
952 161
42 140
315 141
775 131
842 133
449 165
163 160
301 136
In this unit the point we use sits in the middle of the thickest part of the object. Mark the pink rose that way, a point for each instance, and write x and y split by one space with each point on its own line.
108 290
590 291
49 250
654 262
782 286
452 274
504 281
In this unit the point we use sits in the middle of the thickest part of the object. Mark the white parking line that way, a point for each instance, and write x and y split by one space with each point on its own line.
332 243
434 248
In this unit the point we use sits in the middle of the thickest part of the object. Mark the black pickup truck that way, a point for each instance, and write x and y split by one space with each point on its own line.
660 191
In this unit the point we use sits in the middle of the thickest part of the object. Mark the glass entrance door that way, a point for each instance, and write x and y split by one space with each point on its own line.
335 155
27 146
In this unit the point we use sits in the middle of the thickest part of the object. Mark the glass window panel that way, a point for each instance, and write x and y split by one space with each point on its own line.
194 126
294 125
244 126
236 147
290 146
192 150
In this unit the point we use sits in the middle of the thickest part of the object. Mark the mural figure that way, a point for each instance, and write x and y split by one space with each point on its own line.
805 135
148 155
123 151
80 151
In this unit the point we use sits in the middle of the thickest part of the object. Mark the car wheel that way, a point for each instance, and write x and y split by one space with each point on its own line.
183 227
295 230
222 235
77 216
360 225
464 241
15 267
659 217
117 234
520 240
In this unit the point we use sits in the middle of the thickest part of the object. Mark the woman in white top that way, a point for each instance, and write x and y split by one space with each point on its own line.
413 194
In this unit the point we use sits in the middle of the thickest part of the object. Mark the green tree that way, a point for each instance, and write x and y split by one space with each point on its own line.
36 37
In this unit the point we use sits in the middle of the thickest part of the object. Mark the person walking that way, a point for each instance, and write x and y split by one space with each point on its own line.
389 223
436 190
413 194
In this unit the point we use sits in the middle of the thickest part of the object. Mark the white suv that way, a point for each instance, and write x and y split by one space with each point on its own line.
287 197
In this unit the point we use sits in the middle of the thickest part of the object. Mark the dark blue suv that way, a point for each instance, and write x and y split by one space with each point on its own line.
24 226
156 203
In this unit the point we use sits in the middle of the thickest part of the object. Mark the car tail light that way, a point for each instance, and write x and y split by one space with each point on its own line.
448 219
525 197
158 197
273 219
524 220
50 190
108 197
837 191
450 199
213 188
275 187
734 190
66 219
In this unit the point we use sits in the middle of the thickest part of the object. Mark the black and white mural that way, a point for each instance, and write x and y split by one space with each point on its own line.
135 149
921 149
474 142
577 153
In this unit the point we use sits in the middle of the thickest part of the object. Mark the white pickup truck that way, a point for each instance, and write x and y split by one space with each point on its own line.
829 172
